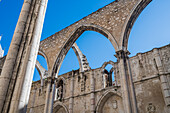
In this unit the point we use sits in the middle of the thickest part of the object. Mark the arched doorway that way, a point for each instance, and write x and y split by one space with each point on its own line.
59 108
110 102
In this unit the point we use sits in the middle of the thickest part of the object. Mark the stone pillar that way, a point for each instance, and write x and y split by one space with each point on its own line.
17 72
163 78
10 61
132 89
52 94
47 99
92 98
123 69
71 93
42 84
56 91
22 88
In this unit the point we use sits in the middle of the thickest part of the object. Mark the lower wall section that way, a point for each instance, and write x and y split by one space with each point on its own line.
149 96
89 92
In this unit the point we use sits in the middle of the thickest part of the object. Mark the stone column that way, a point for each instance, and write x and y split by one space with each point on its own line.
42 84
56 91
71 93
12 55
92 98
47 98
23 84
123 69
164 80
17 74
52 94
132 91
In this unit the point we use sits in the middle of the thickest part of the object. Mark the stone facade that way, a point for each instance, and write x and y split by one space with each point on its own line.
141 82
146 79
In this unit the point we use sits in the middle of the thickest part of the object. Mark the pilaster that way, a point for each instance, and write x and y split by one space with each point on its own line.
163 78
126 81
71 93
92 98
48 90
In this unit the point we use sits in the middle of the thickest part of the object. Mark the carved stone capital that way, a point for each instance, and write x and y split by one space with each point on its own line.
121 54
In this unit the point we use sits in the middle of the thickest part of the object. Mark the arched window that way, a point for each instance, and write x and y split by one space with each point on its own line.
108 74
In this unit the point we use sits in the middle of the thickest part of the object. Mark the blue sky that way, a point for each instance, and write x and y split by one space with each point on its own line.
151 29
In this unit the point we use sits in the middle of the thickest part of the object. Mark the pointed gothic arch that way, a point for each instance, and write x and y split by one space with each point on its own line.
58 105
106 95
136 11
107 75
45 56
83 63
74 36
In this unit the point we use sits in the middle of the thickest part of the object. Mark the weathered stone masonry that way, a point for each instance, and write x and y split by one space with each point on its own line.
17 73
141 83
146 79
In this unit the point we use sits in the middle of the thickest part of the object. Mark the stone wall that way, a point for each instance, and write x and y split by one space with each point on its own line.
146 79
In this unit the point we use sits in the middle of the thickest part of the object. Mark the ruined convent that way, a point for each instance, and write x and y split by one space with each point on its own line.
141 83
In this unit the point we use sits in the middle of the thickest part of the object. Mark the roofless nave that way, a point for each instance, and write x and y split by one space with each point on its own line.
141 82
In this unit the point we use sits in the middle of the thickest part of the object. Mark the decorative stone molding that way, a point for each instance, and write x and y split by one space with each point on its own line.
122 54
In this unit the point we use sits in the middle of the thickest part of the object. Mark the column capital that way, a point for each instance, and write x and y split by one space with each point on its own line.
121 54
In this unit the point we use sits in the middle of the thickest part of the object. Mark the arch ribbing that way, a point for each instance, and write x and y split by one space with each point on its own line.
136 11
58 105
105 97
83 63
74 36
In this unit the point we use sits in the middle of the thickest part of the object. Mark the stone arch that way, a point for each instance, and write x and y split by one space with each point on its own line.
74 36
107 75
106 63
41 70
45 56
104 98
136 11
59 105
83 63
